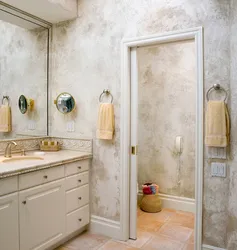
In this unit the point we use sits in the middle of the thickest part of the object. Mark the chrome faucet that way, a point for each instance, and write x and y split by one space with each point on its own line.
8 150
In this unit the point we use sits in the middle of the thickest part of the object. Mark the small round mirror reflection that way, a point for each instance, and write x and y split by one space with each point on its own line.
22 104
65 103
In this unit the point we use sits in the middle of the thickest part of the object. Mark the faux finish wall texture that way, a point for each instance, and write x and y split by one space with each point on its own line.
167 109
86 59
23 71
232 204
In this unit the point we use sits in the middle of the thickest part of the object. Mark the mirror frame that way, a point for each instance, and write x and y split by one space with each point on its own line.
56 103
29 104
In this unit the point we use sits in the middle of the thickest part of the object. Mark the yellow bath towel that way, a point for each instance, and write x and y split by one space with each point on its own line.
217 124
105 124
5 118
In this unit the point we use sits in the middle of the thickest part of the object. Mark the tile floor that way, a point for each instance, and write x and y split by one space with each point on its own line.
167 230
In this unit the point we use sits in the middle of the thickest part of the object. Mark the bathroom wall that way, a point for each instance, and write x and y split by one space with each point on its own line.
232 205
23 70
86 59
167 109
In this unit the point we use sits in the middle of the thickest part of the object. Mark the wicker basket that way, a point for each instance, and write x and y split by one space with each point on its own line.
151 203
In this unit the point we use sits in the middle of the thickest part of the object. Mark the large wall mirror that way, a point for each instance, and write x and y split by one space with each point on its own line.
24 49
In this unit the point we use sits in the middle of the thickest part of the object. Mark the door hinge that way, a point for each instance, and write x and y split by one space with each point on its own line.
134 150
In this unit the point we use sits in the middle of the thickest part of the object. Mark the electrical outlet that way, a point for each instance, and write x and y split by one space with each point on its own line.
70 126
218 169
31 125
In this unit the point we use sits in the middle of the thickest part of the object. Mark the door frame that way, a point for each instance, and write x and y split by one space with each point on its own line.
195 34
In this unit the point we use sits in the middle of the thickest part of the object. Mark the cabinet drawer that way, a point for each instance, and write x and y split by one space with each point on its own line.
77 180
77 219
77 197
77 167
8 185
40 177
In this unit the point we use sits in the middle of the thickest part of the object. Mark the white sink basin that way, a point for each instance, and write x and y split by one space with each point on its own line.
22 158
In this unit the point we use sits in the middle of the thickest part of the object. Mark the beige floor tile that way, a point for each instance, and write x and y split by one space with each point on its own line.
162 216
169 210
114 245
176 232
183 219
189 247
140 212
86 241
148 224
191 239
162 243
142 238
62 248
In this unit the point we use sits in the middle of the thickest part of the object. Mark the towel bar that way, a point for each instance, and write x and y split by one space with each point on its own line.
106 92
7 98
217 86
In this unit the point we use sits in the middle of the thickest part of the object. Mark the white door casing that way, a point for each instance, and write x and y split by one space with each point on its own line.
128 183
134 142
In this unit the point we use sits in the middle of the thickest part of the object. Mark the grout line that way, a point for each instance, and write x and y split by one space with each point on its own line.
164 224
104 244
152 237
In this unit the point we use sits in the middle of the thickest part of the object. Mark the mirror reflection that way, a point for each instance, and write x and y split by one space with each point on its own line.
23 74
22 104
65 103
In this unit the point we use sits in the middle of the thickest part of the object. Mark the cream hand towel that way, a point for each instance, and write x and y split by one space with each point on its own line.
217 124
105 124
5 118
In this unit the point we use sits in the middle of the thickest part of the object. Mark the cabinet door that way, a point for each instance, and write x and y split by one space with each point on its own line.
9 232
42 215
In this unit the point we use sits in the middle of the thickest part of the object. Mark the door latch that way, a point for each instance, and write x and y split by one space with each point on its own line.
134 150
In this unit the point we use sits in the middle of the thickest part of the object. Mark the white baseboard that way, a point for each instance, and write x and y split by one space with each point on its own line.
111 228
100 225
176 202
207 247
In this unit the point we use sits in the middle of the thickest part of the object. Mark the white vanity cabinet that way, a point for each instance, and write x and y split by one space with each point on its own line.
42 215
9 232
42 208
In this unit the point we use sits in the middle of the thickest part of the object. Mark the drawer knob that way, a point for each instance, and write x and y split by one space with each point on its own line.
45 176
24 202
80 219
79 180
79 198
79 167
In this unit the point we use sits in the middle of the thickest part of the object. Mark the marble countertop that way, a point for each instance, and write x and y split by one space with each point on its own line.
50 159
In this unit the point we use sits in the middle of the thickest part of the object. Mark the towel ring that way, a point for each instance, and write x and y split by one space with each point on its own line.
106 92
7 98
217 86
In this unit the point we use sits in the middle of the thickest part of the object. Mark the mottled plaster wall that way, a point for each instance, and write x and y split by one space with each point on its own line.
86 59
232 205
167 109
23 70
69 5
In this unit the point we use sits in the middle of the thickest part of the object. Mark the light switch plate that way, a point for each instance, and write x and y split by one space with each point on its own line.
217 153
218 169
